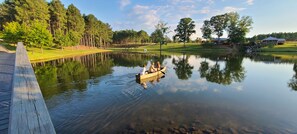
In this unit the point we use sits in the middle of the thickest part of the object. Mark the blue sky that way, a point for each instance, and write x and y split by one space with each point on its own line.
268 15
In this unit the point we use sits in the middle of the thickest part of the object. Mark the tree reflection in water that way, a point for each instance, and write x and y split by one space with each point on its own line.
293 81
183 69
75 73
233 71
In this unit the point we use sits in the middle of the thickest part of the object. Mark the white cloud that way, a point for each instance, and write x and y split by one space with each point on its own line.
250 2
232 9
145 15
124 3
171 11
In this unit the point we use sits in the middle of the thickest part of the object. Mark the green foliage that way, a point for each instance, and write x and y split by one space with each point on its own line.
218 24
293 81
130 36
13 32
7 13
28 11
185 29
183 69
67 27
206 30
233 71
238 28
158 36
58 21
289 36
96 33
38 35
75 24
143 36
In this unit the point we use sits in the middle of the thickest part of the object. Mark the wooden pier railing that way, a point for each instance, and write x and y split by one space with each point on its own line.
28 113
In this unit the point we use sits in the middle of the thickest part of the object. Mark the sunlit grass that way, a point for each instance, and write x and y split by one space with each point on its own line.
176 47
287 47
35 54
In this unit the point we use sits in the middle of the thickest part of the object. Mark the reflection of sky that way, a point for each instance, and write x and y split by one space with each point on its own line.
262 98
195 83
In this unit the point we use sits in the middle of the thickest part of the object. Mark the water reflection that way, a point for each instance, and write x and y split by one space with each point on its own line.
293 81
233 71
228 94
182 67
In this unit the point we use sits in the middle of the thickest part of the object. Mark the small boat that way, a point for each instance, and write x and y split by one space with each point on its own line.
159 73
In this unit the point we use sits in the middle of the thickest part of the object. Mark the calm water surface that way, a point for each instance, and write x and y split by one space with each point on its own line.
199 93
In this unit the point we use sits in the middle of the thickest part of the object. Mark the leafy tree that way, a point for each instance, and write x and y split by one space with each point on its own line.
38 35
143 36
159 34
219 24
58 21
238 28
206 30
7 13
75 24
185 29
13 32
90 30
130 36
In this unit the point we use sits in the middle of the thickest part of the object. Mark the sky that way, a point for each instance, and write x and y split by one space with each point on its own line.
268 15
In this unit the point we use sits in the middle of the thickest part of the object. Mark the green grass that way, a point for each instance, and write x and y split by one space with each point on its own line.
287 47
35 54
176 48
10 47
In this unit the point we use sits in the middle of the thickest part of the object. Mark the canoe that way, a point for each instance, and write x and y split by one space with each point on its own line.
155 74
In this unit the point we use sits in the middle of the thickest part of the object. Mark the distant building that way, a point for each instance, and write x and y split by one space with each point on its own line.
220 40
274 40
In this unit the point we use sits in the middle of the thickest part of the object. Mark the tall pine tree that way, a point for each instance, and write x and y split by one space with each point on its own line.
75 25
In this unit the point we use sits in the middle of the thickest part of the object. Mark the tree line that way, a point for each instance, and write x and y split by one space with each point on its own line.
130 36
39 23
288 36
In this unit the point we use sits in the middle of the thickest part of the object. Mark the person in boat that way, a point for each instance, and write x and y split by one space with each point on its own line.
152 68
143 70
158 66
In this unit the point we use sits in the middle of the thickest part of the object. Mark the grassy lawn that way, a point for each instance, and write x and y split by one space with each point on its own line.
35 54
176 47
8 46
287 47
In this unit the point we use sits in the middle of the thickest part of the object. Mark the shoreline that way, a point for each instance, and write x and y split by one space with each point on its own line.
39 57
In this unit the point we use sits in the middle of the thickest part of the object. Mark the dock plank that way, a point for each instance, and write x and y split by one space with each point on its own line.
29 113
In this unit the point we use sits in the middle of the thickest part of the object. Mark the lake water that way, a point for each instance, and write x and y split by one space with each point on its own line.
200 93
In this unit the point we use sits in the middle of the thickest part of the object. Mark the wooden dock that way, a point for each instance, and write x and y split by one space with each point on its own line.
28 112
7 61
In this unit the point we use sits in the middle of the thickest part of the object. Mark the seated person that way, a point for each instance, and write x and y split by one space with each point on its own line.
152 69
143 70
158 66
